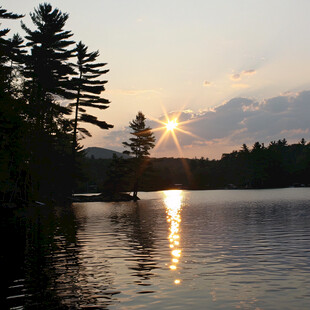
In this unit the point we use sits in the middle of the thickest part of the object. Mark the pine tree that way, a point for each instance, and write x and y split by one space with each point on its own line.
16 53
4 14
12 126
48 69
88 89
140 144
143 140
5 48
47 76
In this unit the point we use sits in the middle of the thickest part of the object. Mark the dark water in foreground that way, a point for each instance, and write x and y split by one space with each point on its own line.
171 250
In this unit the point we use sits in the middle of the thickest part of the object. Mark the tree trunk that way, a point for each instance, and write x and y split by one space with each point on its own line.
74 144
135 190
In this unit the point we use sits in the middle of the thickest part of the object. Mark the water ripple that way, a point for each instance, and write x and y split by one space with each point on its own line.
237 249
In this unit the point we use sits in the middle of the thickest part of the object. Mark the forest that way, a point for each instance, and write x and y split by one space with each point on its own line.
276 165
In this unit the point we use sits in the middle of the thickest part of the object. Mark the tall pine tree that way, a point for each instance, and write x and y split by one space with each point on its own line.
47 75
12 126
48 69
88 90
5 49
139 145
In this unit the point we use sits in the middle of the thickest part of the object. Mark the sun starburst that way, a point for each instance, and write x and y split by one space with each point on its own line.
170 126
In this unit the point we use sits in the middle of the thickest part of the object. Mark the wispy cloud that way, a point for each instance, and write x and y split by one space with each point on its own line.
242 74
235 77
295 132
207 83
249 72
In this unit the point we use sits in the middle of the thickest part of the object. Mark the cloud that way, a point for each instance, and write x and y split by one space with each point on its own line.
235 77
295 132
207 83
239 76
237 121
249 72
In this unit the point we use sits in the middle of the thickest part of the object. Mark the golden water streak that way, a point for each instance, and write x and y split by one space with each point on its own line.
173 202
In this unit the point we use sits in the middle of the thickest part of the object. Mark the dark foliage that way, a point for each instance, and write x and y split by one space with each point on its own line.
278 165
143 139
87 89
117 175
36 133
139 145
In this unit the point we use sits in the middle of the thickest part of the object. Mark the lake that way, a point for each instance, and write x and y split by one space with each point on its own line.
223 249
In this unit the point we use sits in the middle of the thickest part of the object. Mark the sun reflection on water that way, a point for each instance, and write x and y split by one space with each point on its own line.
173 201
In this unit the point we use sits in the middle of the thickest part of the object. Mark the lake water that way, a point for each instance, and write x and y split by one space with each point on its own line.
225 249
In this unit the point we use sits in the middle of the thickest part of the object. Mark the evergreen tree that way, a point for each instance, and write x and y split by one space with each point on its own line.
4 14
140 144
16 55
47 75
88 89
36 136
5 48
143 140
12 125
47 69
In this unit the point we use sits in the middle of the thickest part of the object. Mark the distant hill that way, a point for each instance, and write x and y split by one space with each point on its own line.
99 152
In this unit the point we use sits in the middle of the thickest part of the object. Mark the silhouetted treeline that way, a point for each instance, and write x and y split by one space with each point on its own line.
47 82
277 165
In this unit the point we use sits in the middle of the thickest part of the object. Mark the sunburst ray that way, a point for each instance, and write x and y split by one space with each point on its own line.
171 125
160 141
188 133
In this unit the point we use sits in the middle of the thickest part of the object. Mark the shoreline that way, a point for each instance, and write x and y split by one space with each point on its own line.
102 198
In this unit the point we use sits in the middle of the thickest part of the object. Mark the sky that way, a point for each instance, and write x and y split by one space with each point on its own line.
235 71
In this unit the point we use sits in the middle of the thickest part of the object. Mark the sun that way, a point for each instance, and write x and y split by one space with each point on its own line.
171 125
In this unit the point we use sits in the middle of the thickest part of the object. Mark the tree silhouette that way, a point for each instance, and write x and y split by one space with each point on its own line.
47 75
88 89
5 47
140 144
4 14
15 53
37 135
12 125
47 69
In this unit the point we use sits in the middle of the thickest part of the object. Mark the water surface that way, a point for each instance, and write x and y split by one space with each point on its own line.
171 250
